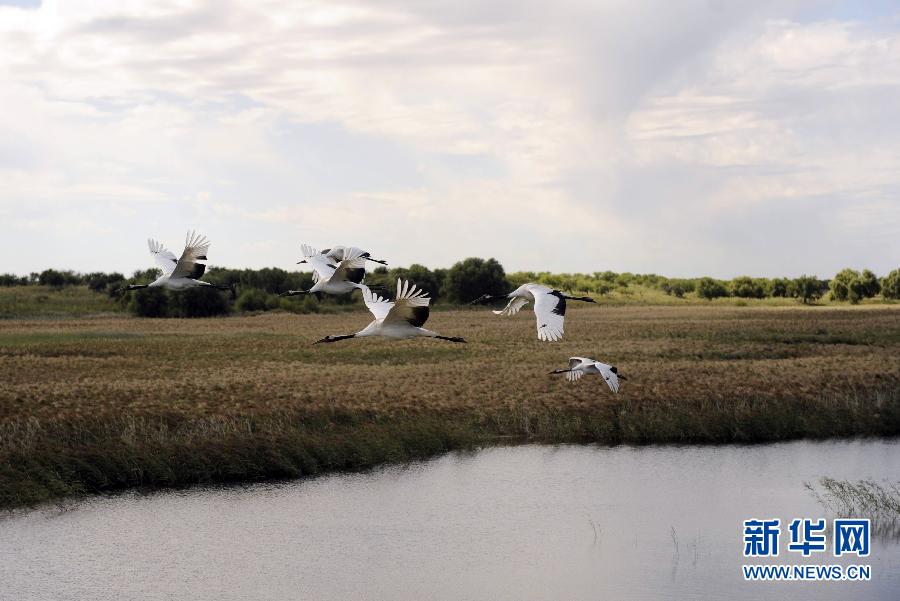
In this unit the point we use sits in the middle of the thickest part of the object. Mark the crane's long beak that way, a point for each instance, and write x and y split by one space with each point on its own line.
303 261
558 371
377 260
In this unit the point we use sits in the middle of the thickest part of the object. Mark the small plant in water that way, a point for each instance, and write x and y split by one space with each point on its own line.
863 498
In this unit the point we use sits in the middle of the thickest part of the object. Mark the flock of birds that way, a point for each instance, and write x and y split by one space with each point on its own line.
342 269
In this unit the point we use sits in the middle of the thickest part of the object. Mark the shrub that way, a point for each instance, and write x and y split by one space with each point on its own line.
851 285
145 276
469 279
890 285
709 289
149 302
808 288
11 279
307 303
780 288
254 299
51 277
869 284
99 281
676 288
747 287
203 301
841 284
419 275
270 279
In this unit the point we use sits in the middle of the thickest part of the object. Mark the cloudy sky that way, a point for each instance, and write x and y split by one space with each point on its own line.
682 138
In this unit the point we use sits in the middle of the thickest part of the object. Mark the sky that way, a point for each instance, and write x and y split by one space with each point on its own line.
699 137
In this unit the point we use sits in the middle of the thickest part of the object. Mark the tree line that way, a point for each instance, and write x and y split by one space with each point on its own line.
258 289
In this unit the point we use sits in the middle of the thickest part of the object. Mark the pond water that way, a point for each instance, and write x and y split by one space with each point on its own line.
523 522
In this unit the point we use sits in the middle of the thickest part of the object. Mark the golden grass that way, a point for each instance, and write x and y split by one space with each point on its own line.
169 393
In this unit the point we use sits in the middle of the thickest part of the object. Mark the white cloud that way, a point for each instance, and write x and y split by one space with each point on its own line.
573 136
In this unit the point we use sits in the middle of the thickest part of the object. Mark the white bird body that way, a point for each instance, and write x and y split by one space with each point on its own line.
579 366
181 273
549 308
166 281
399 319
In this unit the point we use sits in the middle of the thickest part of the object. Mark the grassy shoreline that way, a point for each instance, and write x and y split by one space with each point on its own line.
109 403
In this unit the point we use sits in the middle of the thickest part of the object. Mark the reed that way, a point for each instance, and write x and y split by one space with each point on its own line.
107 403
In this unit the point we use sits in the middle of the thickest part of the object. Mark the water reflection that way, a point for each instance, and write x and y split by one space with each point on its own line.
527 522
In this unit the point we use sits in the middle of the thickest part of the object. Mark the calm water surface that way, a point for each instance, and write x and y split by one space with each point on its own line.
527 522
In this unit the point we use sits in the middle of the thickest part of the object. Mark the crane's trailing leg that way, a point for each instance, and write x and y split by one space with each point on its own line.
451 338
335 338
294 292
485 298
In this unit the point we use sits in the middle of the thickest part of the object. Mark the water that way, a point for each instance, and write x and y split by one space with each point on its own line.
527 522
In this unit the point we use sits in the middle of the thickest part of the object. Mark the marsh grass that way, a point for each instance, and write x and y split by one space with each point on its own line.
50 303
102 404
862 498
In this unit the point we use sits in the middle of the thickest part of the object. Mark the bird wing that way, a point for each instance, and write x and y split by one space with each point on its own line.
550 309
612 380
379 306
195 249
411 305
164 257
513 306
575 364
335 253
323 267
352 265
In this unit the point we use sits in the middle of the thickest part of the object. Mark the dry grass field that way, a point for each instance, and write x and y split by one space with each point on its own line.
107 402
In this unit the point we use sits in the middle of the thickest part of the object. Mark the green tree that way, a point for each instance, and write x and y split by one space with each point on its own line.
808 288
469 279
145 276
99 281
419 275
203 301
709 289
11 279
677 287
780 287
255 299
51 277
890 285
149 302
842 283
747 287
870 285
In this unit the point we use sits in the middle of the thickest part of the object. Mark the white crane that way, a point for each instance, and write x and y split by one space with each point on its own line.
335 271
549 307
178 274
399 319
578 366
